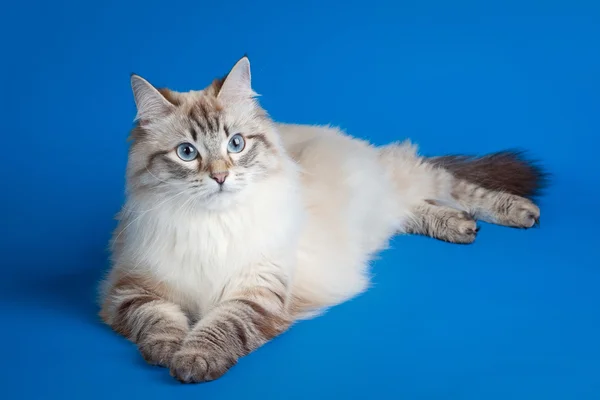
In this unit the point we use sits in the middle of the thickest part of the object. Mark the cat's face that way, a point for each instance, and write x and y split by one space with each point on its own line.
207 147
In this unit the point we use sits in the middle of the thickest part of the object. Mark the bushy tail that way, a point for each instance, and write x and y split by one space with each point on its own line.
507 171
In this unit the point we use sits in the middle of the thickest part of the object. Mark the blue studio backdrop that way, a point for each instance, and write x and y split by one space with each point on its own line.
514 316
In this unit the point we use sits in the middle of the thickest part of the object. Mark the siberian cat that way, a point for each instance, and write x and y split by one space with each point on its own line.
236 226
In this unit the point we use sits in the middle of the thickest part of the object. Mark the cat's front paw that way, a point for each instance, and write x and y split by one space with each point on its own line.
200 364
160 349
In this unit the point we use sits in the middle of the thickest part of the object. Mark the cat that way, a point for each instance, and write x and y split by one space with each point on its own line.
235 226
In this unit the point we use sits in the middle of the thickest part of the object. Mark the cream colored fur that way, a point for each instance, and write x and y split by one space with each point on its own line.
205 272
318 219
318 223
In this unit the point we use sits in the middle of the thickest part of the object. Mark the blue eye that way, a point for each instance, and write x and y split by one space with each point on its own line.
236 143
187 152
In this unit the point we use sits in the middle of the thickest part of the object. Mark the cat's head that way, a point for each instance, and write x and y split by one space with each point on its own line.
207 146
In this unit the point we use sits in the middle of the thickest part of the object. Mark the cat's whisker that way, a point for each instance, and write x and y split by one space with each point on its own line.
143 256
188 202
145 212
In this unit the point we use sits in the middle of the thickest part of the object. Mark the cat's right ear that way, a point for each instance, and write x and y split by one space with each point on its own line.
151 104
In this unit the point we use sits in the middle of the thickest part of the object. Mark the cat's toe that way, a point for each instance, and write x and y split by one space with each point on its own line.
197 365
525 214
462 228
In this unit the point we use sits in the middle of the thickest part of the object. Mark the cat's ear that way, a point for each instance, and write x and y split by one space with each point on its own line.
151 104
237 85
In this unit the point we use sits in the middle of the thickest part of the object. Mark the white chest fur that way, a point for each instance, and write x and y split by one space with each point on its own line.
200 253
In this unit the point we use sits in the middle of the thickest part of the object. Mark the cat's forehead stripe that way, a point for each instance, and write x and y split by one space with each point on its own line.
198 121
206 116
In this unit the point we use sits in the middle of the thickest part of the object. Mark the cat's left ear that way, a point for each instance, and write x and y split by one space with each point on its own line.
238 85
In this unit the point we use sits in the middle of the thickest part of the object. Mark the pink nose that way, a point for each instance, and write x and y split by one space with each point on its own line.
219 176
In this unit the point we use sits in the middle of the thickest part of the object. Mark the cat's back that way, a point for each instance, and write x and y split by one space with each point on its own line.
302 141
337 176
343 225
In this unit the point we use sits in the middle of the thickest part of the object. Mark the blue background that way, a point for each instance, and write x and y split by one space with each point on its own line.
514 316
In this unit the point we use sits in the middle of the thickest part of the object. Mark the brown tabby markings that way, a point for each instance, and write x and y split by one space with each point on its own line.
261 138
179 171
201 111
153 158
444 223
497 207
206 115
240 324
269 325
141 314
237 327
261 306
494 188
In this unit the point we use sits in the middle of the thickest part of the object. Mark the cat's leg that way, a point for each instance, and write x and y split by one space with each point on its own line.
239 324
137 309
432 219
495 188
496 207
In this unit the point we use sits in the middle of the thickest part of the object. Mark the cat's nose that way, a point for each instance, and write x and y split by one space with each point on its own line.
219 176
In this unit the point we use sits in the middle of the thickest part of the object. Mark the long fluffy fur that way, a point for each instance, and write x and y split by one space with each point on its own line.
508 171
204 273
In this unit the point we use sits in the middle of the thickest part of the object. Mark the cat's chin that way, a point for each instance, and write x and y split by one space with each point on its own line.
219 200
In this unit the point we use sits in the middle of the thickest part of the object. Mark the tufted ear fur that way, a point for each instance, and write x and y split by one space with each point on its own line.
151 104
237 85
